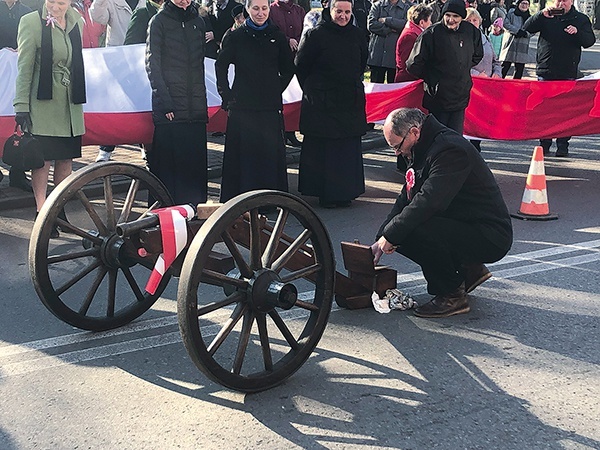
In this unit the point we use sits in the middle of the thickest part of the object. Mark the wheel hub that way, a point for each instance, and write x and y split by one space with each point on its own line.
113 252
266 292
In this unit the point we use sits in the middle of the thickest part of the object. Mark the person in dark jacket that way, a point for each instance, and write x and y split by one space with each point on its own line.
11 12
254 156
175 65
385 23
559 50
329 65
449 218
443 56
221 18
137 30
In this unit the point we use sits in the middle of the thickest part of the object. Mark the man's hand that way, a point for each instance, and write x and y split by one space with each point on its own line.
209 36
380 247
293 44
571 30
170 116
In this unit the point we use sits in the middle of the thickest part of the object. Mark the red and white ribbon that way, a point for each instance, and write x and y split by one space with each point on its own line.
173 230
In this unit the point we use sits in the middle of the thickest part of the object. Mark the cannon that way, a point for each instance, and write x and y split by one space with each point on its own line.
255 288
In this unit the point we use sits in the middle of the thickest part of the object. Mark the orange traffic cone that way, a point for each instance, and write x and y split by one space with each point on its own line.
534 205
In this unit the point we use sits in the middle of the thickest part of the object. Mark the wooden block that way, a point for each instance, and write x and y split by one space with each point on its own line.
358 258
204 210
383 279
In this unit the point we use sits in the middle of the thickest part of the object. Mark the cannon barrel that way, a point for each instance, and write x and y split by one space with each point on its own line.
129 228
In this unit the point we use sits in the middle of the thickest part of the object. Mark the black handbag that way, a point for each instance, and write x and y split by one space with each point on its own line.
23 151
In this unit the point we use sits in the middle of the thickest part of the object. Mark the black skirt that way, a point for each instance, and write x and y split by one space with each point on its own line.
178 158
331 169
57 148
254 153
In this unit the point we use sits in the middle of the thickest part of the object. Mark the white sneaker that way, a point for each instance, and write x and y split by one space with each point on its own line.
103 156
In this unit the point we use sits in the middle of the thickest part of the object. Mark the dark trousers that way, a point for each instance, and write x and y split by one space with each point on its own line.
452 119
562 144
441 246
380 74
519 68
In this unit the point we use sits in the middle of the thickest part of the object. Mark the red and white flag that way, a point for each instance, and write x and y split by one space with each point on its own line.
173 229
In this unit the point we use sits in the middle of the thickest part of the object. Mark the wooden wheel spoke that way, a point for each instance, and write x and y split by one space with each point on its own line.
92 291
269 253
245 269
285 331
255 261
109 202
213 306
289 252
92 212
243 341
78 231
112 293
236 315
261 322
128 204
306 305
216 278
133 284
71 256
78 277
154 205
301 273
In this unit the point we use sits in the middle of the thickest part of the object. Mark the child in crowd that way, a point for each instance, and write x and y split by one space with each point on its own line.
496 35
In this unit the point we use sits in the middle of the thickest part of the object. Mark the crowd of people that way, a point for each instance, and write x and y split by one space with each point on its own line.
445 43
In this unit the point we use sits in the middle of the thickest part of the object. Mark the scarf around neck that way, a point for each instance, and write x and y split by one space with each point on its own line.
77 80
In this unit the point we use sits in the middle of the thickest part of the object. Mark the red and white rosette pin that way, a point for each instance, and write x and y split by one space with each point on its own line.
410 181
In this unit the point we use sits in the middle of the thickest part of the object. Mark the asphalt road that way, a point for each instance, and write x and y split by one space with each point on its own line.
520 371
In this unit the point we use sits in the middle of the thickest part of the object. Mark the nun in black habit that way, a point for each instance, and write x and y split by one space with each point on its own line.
175 65
254 156
330 63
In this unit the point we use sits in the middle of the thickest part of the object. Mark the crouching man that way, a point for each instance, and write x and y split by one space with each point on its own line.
449 218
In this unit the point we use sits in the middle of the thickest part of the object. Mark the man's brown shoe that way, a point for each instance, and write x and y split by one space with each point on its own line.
475 274
446 305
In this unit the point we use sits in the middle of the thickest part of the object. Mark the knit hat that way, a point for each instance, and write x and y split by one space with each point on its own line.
456 7
236 10
499 22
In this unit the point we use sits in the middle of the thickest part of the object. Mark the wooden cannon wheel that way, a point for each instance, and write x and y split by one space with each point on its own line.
90 277
253 327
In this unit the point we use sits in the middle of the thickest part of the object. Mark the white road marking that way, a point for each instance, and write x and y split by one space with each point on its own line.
530 262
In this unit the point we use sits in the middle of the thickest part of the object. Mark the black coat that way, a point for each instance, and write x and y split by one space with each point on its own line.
453 181
443 59
263 68
222 21
9 23
559 53
175 64
329 65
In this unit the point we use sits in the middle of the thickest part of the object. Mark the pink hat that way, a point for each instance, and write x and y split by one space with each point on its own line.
499 22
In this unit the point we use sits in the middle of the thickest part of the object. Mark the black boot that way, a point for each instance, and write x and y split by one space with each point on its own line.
17 179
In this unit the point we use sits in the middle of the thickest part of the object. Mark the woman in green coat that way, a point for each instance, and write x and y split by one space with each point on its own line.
50 89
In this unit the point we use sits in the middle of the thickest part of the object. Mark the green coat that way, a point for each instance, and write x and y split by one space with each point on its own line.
59 116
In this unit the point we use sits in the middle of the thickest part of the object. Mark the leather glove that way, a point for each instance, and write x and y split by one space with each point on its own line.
521 34
23 119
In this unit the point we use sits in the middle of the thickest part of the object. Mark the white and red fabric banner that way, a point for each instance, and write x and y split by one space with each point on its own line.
174 236
119 102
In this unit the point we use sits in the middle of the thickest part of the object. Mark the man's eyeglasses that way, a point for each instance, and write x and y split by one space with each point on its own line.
397 147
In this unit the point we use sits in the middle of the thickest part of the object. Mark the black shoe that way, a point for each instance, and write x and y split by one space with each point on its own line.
343 203
475 274
63 216
20 183
291 138
455 302
218 134
54 232
562 152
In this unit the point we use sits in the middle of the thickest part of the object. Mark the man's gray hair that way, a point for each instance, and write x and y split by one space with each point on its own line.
404 119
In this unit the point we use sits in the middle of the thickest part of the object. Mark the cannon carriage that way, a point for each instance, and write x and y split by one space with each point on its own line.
255 289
